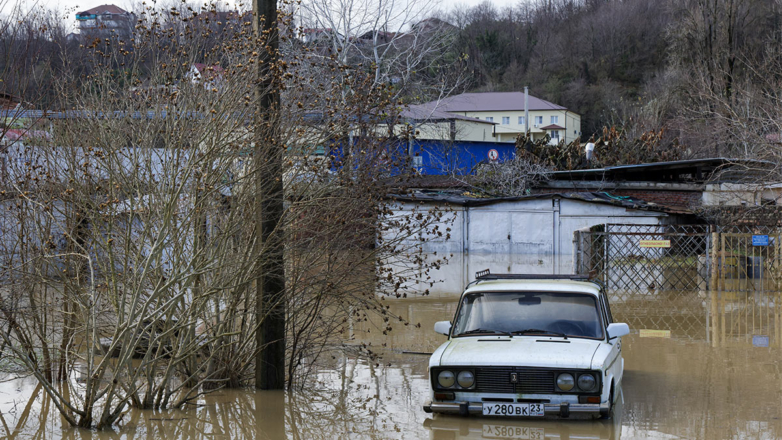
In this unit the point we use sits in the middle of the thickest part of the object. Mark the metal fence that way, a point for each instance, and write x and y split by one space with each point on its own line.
719 284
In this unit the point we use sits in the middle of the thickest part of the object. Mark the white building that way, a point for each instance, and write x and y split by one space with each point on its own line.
541 225
105 21
506 111
211 76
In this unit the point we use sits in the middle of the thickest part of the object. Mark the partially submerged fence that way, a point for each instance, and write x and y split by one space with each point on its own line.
720 284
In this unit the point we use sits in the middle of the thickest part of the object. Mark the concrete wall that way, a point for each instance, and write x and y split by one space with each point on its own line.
567 119
456 270
464 131
738 194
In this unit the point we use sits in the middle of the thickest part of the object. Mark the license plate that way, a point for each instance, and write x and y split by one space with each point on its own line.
513 409
513 432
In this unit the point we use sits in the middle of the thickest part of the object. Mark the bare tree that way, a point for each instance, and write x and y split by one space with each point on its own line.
394 40
127 254
515 177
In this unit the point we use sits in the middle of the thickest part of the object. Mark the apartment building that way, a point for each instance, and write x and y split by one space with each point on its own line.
506 111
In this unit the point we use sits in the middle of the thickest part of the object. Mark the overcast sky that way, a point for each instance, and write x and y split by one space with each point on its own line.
73 6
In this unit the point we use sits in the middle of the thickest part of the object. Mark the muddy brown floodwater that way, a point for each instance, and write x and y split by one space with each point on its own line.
674 387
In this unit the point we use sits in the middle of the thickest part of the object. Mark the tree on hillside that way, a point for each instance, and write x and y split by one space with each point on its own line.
401 44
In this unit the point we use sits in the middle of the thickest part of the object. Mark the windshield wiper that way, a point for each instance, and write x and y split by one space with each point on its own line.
537 330
483 330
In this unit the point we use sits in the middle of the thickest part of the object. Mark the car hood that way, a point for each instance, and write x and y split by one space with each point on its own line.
527 351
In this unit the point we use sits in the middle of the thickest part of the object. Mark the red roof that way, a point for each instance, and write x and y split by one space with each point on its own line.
217 69
17 134
552 127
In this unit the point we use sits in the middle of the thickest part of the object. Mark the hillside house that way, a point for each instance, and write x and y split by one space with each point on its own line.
105 21
432 24
318 35
210 76
9 101
506 111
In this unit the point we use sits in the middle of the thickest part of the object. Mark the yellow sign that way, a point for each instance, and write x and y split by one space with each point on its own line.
655 243
646 333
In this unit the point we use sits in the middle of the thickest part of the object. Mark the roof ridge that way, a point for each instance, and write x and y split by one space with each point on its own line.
493 101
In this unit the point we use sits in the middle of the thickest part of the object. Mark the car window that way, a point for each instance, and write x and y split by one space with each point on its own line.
573 314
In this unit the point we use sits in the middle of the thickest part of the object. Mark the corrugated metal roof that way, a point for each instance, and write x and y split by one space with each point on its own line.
492 101
642 171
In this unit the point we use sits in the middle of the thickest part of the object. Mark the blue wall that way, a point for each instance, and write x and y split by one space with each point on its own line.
461 157
436 157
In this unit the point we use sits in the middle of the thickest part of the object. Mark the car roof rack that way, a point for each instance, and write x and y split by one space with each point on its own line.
486 275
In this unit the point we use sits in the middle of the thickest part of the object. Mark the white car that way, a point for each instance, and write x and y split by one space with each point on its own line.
528 346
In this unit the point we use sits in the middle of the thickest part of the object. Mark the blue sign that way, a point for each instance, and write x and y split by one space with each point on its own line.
760 240
760 341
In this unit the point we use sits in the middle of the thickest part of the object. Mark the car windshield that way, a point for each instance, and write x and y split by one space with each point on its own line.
529 313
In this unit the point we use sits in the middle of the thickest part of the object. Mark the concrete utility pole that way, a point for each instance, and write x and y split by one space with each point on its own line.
526 110
270 285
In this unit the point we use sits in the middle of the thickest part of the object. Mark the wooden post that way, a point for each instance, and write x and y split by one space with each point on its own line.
270 284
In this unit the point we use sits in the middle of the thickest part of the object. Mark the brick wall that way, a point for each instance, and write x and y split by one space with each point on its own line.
679 199
683 199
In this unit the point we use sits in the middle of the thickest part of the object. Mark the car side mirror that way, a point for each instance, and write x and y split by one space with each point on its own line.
442 327
617 330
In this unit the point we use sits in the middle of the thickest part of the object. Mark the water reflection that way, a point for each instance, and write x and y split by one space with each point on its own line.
453 427
447 427
674 387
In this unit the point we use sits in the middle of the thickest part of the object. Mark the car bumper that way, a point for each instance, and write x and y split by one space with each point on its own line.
555 409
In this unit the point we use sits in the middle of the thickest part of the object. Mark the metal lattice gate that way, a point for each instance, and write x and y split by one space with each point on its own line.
745 287
694 281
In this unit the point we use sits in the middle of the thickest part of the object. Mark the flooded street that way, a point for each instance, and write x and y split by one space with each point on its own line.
680 386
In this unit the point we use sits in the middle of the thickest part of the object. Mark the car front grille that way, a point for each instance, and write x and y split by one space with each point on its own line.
529 380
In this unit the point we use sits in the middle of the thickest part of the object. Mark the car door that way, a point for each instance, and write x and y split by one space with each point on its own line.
615 360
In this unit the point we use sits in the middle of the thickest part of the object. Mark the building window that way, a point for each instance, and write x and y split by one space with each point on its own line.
555 134
554 119
506 120
489 119
538 120
521 120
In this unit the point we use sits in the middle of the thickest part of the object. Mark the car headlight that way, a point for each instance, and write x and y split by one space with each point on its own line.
586 382
446 379
465 379
565 382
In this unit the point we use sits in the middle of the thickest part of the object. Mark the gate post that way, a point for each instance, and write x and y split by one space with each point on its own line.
713 283
775 282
